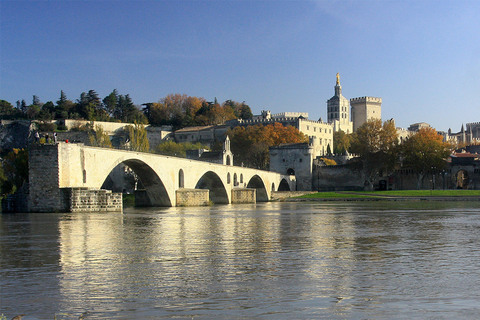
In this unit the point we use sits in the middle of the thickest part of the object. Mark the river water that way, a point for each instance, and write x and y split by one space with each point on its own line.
315 260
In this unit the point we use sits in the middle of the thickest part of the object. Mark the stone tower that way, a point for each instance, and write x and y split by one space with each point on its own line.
365 108
338 110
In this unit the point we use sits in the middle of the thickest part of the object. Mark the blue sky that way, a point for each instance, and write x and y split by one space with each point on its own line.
421 57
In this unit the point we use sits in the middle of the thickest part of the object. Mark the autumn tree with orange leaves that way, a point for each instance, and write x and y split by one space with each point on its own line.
180 110
425 151
250 144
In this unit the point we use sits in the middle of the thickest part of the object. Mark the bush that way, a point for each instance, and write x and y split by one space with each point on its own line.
47 126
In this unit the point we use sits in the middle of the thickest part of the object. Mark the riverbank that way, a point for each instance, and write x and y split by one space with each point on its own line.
397 195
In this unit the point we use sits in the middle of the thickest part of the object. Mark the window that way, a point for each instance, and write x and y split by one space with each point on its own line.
181 183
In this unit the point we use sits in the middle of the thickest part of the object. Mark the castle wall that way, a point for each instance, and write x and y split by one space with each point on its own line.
336 178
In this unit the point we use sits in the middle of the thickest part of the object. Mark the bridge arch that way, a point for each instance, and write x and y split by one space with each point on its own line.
257 183
284 186
211 181
153 192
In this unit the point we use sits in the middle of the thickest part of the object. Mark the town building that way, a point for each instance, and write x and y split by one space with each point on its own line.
470 135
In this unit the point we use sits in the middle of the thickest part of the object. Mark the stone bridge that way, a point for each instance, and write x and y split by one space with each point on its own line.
57 172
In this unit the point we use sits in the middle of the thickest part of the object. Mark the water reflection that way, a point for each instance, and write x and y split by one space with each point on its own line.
269 261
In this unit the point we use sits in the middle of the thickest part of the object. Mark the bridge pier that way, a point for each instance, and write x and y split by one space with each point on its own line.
192 197
244 195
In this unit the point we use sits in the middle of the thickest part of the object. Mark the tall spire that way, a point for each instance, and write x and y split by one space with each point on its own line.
338 87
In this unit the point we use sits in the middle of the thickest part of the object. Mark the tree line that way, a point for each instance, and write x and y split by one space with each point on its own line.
380 152
177 110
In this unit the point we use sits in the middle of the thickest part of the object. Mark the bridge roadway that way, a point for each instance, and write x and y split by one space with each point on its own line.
67 165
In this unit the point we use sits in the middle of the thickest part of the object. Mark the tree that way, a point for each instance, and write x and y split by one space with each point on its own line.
89 106
47 111
250 144
425 151
5 187
110 102
376 145
138 138
341 142
126 111
7 110
33 111
64 107
156 113
15 166
171 148
241 110
36 101
99 138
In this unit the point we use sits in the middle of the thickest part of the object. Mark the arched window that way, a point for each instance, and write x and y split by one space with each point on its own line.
228 160
241 177
181 181
235 181
273 186
228 178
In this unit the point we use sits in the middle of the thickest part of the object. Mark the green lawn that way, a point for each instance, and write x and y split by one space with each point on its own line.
396 193
335 195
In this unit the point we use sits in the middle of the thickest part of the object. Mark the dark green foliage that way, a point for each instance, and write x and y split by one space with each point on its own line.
175 109
15 170
171 148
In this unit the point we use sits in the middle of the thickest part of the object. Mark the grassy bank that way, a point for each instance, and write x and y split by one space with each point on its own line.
392 194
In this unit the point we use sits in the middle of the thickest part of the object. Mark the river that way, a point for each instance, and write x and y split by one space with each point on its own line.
309 260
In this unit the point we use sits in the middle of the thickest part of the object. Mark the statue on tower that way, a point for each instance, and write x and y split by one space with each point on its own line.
338 79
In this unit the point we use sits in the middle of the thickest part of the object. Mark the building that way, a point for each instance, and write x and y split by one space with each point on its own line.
365 108
206 135
295 159
320 131
470 135
417 126
338 110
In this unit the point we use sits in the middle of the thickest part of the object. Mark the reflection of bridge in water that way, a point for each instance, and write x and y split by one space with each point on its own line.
56 170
